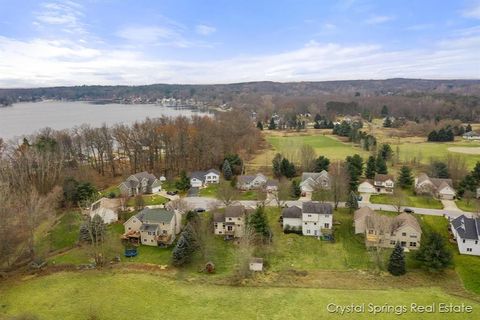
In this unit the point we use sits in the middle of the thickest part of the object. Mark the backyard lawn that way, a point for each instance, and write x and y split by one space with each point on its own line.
150 200
411 201
471 205
209 191
153 296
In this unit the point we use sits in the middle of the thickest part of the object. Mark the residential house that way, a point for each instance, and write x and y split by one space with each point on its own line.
317 218
256 264
106 208
467 233
471 135
257 181
383 183
271 185
386 231
366 186
153 227
231 222
440 188
200 179
292 218
314 180
140 183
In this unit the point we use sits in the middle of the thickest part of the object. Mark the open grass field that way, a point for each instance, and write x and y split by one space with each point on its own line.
128 295
411 201
412 150
150 200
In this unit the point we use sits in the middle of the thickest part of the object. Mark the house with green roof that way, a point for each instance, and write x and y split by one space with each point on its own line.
153 227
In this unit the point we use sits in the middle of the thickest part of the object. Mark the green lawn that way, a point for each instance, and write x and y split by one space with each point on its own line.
112 190
209 191
150 200
471 206
411 201
123 295
292 251
423 151
325 145
467 267
249 195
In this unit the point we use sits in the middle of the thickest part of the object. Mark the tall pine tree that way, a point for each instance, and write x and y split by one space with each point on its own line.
396 264
352 202
227 170
433 254
381 165
370 169
405 179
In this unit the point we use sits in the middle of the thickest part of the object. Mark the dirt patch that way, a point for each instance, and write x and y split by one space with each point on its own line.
466 150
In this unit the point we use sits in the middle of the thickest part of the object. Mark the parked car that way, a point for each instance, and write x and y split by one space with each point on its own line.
359 198
199 210
172 193
408 210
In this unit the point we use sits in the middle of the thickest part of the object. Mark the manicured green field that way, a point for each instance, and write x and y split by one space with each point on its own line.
150 200
122 295
209 191
471 206
422 152
411 201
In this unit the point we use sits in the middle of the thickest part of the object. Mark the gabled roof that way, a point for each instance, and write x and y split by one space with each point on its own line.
369 181
383 177
134 180
248 179
155 215
272 183
315 175
438 183
212 171
148 227
234 211
405 219
362 213
471 134
292 212
317 207
467 228
218 216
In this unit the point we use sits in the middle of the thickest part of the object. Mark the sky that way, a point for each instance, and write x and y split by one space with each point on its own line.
134 42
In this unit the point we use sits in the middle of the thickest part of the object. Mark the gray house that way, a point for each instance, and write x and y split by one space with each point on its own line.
140 183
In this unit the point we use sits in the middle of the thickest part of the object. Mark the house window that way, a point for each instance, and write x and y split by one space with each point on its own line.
404 234
463 240
403 244
151 240
229 228
413 236
239 219
392 242
164 231
469 249
314 223
144 240
370 231
413 244
308 231
305 223
326 216
309 215
229 219
129 228
476 241
149 233
216 225
326 225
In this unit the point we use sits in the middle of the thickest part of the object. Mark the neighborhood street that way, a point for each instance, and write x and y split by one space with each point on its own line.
210 203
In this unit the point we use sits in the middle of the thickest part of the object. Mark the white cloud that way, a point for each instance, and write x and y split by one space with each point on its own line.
60 15
42 62
378 19
473 11
204 30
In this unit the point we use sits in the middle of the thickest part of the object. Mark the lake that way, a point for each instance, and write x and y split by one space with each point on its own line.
27 118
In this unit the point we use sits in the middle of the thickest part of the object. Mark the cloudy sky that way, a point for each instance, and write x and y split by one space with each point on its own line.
69 42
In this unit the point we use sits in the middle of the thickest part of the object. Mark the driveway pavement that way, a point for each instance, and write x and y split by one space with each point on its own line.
450 205
193 192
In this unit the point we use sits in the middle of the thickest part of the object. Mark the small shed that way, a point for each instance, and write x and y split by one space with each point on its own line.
256 264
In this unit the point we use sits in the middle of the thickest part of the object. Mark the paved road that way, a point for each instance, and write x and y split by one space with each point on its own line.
210 203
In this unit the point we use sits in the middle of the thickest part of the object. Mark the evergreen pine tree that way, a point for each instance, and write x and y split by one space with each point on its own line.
296 190
257 221
384 111
476 172
322 163
260 125
272 125
381 165
405 179
433 254
352 202
276 164
468 128
183 183
396 264
227 170
370 169
180 254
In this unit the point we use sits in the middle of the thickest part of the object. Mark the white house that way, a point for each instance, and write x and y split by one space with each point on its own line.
292 218
383 183
317 218
314 180
231 222
200 179
153 227
256 264
140 183
257 181
366 187
106 208
440 188
467 233
471 135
